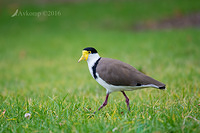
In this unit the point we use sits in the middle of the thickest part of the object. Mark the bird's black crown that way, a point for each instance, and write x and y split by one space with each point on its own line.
93 50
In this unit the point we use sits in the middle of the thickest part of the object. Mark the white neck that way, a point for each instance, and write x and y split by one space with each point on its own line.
92 58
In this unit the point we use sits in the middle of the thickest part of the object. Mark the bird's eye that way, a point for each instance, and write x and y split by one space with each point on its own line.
89 52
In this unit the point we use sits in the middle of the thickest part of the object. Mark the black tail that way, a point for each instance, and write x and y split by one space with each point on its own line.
162 87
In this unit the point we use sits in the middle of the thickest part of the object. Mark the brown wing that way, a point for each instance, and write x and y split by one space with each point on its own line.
119 73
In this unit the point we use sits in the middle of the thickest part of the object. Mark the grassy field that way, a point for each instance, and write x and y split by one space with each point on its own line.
39 73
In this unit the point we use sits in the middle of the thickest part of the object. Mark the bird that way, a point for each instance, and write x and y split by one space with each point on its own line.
115 75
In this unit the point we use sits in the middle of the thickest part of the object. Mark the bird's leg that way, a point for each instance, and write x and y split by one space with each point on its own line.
127 100
105 102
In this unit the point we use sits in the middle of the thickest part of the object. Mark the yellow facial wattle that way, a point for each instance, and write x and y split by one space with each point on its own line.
85 55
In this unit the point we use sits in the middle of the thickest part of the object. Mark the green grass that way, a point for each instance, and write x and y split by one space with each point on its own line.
39 73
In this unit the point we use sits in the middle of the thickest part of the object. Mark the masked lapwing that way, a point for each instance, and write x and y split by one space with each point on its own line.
115 75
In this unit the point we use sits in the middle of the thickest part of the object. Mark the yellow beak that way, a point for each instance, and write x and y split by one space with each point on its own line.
84 55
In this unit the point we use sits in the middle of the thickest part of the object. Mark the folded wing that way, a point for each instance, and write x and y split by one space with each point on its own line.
119 73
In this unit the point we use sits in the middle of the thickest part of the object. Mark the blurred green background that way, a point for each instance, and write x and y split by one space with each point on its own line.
39 54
